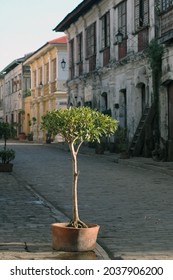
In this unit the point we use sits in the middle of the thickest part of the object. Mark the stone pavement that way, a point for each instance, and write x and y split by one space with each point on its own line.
140 208
25 219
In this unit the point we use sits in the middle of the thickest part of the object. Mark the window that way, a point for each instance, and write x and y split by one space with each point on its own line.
141 13
166 4
19 81
141 22
80 53
105 30
71 46
40 81
27 85
122 18
34 78
14 84
122 26
46 73
54 69
79 48
91 46
105 38
91 40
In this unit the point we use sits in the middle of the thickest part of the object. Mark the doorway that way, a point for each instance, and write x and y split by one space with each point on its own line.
123 109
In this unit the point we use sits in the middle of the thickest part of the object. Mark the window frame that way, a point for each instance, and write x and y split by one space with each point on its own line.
91 40
105 30
141 10
80 47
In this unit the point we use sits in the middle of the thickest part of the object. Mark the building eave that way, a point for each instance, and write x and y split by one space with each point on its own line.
72 17
12 65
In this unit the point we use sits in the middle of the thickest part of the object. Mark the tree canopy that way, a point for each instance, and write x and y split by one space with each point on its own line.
79 124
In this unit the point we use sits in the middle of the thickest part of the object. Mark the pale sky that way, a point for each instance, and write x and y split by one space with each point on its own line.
26 25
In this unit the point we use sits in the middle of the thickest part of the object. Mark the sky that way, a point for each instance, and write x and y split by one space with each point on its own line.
26 25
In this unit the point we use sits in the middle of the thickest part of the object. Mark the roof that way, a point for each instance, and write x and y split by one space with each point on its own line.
60 40
44 48
72 17
13 64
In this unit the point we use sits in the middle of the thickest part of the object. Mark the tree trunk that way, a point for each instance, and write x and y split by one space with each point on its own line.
74 185
76 222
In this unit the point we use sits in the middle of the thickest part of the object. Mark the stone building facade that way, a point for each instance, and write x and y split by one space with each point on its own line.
109 66
15 81
48 67
166 89
104 73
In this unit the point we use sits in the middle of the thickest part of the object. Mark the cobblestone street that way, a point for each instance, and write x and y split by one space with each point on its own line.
133 205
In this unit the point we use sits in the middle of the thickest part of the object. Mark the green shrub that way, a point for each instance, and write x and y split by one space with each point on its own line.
7 155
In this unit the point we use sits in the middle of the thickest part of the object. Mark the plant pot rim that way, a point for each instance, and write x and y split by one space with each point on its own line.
64 225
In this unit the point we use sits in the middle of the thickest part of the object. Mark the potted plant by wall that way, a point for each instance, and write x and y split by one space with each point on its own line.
77 125
6 155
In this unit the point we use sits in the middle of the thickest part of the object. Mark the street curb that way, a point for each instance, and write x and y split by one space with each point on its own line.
148 166
154 166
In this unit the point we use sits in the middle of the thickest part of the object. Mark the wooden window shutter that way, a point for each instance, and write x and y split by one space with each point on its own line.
122 14
103 32
146 12
136 14
108 30
141 13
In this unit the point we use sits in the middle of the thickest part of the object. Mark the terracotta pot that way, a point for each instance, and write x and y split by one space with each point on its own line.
71 239
6 167
22 136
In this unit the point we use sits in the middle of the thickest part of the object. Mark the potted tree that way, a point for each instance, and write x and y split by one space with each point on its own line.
76 125
6 155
